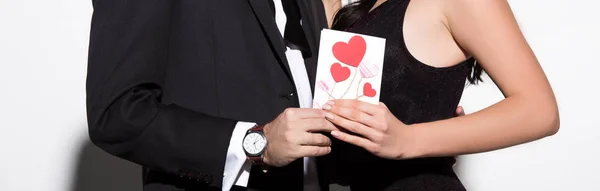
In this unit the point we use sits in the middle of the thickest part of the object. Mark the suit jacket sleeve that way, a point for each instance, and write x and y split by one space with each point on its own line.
128 54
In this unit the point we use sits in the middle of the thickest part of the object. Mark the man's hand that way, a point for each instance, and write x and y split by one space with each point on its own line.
460 111
295 134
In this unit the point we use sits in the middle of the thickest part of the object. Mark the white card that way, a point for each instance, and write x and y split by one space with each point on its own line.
349 67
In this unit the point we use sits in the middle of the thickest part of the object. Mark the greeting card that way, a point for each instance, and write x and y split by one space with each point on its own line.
349 67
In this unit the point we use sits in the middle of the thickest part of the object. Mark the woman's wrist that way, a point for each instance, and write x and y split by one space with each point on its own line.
431 140
411 142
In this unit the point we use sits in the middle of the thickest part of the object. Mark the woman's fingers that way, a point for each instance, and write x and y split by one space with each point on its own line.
355 140
351 126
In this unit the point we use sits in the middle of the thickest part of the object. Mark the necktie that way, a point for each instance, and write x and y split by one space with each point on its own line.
293 36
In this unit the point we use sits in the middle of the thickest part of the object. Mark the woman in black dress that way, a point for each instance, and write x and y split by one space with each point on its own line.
408 141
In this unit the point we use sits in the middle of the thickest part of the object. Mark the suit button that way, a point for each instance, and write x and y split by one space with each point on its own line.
199 177
208 179
182 173
287 96
191 175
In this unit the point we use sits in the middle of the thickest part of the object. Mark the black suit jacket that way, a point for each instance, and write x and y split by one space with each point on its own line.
169 79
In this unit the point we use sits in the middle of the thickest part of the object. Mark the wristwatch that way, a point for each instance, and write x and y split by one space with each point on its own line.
255 144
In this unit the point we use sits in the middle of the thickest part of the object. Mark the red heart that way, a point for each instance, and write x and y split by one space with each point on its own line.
339 72
368 90
350 53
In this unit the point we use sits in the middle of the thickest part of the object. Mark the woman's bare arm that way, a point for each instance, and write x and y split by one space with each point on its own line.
489 32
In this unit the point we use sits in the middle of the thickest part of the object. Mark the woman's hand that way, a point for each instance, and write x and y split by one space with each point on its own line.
377 129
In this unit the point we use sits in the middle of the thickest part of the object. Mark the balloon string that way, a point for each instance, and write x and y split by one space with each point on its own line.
329 94
351 82
358 87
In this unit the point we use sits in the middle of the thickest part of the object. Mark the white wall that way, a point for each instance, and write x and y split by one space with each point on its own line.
43 137
43 53
565 36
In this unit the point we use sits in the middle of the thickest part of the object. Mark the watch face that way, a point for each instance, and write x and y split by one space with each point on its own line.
254 143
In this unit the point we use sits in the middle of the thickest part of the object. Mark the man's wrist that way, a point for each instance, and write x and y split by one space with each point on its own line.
265 129
265 159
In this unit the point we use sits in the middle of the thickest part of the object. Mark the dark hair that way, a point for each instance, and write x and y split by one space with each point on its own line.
349 14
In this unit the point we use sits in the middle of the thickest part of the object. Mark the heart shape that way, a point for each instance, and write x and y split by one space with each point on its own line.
339 72
323 86
368 90
368 70
350 53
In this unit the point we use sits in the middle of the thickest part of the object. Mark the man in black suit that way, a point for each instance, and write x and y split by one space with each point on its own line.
209 94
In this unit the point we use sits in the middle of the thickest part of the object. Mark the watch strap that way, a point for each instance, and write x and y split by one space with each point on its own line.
256 160
256 128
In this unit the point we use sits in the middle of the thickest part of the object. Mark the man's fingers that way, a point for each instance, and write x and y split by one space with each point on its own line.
460 111
315 139
313 151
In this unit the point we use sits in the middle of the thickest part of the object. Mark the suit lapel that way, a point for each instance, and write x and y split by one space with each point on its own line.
264 15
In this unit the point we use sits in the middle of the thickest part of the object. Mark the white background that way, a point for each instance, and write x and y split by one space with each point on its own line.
43 135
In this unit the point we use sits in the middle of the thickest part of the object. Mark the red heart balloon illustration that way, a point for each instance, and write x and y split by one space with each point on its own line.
368 90
350 53
339 72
